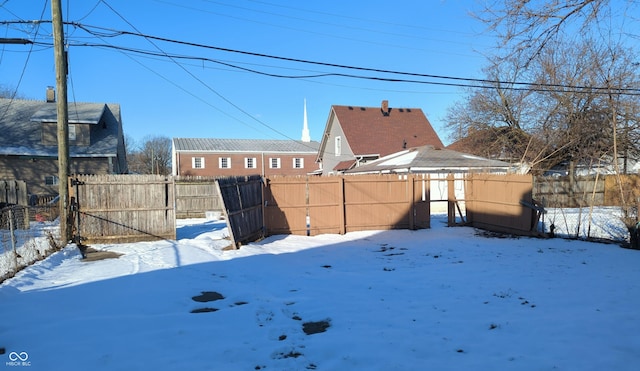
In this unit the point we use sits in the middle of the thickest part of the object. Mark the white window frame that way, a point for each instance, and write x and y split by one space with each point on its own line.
300 162
250 163
277 163
338 146
72 131
194 162
51 180
226 161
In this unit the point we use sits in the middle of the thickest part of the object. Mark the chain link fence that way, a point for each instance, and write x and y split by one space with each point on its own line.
27 234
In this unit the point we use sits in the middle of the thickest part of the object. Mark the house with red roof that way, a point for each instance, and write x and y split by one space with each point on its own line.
355 135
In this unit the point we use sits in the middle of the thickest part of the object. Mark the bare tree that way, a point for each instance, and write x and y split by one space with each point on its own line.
493 121
8 92
151 156
526 27
582 113
576 102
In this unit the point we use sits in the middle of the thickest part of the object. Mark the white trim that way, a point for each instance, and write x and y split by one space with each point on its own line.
254 163
221 160
194 161
278 164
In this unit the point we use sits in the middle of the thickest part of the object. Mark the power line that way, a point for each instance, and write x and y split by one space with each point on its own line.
228 101
527 85
464 82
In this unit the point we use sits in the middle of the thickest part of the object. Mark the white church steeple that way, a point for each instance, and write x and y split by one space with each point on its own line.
305 129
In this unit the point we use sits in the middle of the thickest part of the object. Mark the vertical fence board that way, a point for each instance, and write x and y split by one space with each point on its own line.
495 202
242 198
195 196
342 204
124 208
286 205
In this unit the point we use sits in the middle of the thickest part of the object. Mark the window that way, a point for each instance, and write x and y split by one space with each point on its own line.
197 162
274 163
72 132
298 163
51 180
338 146
224 162
250 163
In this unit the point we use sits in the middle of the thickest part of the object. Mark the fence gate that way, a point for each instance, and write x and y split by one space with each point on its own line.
502 203
122 208
242 199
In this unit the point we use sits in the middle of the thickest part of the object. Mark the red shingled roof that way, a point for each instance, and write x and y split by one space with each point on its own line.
369 130
344 165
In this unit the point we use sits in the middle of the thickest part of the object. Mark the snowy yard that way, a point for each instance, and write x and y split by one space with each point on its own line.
440 299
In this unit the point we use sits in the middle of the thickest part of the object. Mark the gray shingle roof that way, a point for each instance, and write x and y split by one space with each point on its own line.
20 125
244 145
84 113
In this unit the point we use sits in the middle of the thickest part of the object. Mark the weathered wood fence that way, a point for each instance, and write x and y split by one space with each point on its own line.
13 192
341 204
13 205
242 200
195 196
123 208
593 190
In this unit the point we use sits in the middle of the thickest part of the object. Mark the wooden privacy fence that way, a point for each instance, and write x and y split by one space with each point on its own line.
123 208
195 196
13 192
501 203
592 190
242 200
341 204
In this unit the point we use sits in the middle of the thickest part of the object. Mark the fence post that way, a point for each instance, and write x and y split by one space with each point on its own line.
12 230
341 205
451 203
410 179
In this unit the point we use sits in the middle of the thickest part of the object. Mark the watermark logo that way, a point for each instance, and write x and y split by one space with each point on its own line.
18 359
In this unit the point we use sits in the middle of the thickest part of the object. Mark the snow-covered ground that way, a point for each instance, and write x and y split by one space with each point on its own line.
440 299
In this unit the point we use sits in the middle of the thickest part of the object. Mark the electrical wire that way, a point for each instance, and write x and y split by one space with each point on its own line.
465 82
470 81
24 68
200 80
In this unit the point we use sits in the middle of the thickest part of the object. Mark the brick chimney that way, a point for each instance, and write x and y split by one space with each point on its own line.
385 107
51 94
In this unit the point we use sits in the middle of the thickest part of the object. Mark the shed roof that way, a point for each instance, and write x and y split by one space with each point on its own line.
244 145
372 130
430 159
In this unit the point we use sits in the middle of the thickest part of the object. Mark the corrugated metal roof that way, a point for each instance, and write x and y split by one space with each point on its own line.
244 145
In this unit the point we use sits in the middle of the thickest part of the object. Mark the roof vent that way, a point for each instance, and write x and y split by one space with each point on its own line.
51 94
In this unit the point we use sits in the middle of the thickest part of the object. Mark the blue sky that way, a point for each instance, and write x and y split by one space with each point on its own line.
177 97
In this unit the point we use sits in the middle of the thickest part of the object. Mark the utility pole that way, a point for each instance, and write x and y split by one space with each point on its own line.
63 119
